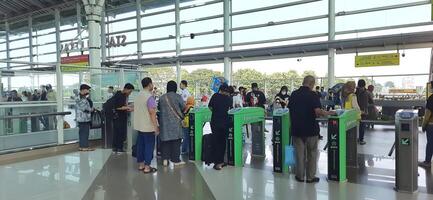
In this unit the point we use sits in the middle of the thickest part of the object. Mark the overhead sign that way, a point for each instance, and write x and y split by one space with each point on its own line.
113 41
406 91
375 60
74 63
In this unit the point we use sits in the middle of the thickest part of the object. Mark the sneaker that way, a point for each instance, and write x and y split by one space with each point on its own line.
165 163
424 164
179 163
362 142
314 180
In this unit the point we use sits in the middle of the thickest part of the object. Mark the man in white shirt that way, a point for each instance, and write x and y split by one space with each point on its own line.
184 90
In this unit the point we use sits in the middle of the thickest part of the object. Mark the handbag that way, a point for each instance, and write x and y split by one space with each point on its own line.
179 116
96 119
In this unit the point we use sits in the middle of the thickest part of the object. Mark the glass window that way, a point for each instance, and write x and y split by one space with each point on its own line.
384 18
19 43
349 5
123 25
158 32
281 31
202 11
123 50
157 19
203 41
239 5
289 42
162 45
281 14
202 26
19 52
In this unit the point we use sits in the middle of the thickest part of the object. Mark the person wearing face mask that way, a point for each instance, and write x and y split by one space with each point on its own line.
84 108
282 98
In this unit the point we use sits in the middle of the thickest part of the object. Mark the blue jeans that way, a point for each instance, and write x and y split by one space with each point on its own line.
145 146
83 134
185 143
429 148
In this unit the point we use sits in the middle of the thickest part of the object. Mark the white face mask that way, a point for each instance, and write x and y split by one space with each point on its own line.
284 92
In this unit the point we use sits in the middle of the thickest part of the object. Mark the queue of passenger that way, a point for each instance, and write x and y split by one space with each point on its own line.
171 122
45 93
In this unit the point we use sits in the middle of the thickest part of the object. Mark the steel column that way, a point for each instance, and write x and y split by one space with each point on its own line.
30 24
138 11
59 80
8 56
227 39
177 21
103 37
331 37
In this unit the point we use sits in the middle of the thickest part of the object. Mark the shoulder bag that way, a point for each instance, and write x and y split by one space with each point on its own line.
179 116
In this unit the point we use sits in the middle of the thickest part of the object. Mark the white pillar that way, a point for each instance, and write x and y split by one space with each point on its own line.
331 37
94 10
103 37
227 39
59 80
177 21
79 24
138 13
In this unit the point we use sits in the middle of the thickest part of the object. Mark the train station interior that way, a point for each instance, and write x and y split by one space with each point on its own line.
124 99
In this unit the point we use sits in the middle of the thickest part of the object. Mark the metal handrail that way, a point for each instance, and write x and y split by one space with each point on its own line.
34 115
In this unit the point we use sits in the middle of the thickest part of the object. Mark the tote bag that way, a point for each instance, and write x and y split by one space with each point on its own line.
96 120
290 155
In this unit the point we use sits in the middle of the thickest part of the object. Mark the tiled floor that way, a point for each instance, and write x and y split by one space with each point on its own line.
100 175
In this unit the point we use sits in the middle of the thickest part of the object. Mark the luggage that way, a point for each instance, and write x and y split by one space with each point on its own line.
206 150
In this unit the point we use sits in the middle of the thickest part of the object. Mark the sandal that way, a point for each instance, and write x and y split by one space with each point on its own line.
151 170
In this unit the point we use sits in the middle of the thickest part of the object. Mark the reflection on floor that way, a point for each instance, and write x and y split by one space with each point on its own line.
100 175
120 179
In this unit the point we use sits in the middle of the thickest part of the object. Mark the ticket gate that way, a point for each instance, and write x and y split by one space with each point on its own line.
342 144
197 119
406 146
239 117
280 138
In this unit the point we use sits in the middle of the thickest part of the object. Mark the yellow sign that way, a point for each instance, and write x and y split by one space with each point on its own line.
377 60
406 91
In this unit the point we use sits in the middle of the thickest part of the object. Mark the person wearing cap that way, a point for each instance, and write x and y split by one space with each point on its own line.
220 103
84 108
185 125
120 123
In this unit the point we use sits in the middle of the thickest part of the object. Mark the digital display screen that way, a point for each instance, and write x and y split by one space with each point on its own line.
405 127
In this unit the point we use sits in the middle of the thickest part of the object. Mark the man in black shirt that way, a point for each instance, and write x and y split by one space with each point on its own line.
256 98
304 107
120 122
220 103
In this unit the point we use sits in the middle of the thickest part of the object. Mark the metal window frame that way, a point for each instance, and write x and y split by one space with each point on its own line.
382 8
291 21
286 39
254 10
164 11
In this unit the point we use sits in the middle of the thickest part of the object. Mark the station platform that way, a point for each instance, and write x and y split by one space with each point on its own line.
68 175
